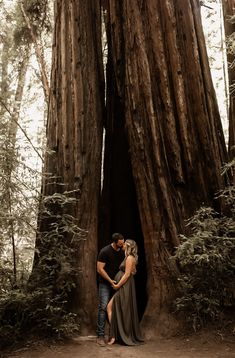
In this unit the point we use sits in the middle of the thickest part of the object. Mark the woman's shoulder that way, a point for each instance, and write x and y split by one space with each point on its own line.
130 258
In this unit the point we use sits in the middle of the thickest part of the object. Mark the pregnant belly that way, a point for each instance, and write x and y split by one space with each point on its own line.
118 276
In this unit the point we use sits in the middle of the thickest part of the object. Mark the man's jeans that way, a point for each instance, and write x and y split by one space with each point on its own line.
104 296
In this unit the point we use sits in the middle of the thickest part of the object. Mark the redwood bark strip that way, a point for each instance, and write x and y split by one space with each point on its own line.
77 87
175 68
228 11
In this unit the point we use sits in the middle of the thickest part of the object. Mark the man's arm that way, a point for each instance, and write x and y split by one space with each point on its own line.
103 273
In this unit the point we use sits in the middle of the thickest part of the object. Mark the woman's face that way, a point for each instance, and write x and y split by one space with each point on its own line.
124 247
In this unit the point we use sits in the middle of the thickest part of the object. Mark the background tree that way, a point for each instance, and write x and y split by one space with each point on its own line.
19 181
15 60
213 28
229 24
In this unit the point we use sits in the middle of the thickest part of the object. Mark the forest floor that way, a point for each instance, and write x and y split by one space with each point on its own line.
203 345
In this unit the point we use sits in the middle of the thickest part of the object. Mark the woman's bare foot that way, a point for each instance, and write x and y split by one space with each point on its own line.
112 341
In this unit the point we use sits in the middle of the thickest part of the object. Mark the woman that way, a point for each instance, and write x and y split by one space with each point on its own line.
122 308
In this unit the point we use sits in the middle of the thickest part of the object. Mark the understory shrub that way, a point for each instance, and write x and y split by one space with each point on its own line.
24 314
42 307
206 259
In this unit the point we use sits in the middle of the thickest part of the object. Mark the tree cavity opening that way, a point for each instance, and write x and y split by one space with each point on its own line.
119 209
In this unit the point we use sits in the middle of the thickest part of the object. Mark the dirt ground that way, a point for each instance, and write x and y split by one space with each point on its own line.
195 346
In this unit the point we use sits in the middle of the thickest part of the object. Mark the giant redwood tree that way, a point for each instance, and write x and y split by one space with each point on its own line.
74 139
164 144
163 134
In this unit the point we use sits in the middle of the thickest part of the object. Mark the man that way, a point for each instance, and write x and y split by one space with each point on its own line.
109 260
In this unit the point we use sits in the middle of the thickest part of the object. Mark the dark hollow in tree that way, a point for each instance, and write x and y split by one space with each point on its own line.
118 208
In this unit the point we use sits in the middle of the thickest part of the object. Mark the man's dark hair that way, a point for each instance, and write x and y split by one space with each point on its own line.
116 236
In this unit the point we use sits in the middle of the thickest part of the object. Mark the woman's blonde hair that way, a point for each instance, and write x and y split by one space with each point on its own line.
131 249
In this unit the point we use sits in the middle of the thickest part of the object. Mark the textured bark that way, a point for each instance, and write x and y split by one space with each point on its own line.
74 133
229 10
166 101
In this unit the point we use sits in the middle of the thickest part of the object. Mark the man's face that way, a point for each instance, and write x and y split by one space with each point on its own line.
120 243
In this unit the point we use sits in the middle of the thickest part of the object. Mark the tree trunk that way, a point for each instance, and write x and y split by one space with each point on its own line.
13 126
23 66
4 86
74 133
229 10
164 105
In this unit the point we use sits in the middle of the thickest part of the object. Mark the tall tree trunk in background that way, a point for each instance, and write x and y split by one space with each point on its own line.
12 132
23 66
163 112
229 10
4 73
74 133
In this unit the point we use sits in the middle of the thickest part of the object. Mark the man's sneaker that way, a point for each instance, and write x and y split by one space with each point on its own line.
101 342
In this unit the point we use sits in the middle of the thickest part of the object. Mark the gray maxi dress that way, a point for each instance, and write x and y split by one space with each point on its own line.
124 325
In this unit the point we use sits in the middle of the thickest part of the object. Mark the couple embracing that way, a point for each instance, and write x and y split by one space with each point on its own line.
116 267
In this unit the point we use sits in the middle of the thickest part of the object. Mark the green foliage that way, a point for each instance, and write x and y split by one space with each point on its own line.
206 259
43 307
20 168
18 198
38 13
24 314
58 241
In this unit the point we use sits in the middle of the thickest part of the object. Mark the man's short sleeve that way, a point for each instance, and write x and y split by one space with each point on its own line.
102 257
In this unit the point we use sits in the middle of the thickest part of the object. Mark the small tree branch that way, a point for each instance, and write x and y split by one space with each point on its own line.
39 55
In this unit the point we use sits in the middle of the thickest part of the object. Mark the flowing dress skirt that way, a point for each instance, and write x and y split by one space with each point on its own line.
125 321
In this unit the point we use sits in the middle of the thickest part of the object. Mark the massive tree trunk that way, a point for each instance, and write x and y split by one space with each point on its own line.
74 132
163 135
164 143
229 10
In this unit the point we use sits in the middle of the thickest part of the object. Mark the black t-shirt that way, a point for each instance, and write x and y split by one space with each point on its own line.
112 260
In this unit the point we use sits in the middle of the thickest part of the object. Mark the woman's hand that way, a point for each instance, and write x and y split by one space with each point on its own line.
115 286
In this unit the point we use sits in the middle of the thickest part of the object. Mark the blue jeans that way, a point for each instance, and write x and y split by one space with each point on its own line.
104 296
